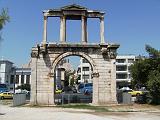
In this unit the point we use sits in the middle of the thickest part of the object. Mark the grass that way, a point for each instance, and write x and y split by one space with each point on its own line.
116 108
85 106
6 102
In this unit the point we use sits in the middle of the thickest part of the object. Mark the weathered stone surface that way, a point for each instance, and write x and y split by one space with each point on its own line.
43 67
101 57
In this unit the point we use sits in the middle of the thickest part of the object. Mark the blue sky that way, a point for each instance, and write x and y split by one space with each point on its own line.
131 23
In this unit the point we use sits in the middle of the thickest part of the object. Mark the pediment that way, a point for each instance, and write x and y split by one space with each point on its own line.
73 7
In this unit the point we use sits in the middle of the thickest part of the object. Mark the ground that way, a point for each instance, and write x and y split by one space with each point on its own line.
130 112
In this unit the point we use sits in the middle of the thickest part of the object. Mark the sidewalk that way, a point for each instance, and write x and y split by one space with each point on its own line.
50 113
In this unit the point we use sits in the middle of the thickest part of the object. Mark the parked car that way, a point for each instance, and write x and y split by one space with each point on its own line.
3 88
69 89
58 91
135 92
144 98
6 95
86 88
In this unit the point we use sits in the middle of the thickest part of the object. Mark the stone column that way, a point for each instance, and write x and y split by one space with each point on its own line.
63 29
84 29
25 77
45 30
102 29
19 80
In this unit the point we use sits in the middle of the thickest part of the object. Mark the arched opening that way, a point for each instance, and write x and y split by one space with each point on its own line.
73 86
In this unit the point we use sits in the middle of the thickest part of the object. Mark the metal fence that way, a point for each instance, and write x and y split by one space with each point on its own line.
72 98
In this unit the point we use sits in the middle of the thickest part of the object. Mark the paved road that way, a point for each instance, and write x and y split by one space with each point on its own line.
45 113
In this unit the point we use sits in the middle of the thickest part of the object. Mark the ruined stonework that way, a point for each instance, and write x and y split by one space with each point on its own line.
46 56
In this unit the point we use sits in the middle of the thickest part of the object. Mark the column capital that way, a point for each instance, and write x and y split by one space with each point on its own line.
83 17
45 17
101 18
63 17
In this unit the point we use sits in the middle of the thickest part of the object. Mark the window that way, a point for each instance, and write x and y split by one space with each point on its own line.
22 79
120 60
17 79
129 76
85 77
121 76
12 79
121 68
85 61
85 68
129 68
28 79
130 60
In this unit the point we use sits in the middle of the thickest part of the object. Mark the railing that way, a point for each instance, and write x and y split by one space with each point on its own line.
72 98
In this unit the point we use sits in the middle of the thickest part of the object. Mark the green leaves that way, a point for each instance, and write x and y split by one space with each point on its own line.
147 72
153 85
4 18
153 53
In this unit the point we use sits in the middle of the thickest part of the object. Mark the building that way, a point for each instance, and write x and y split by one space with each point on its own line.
21 76
84 71
6 69
14 76
62 67
123 75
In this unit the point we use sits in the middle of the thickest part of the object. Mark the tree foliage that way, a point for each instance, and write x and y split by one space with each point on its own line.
153 85
4 17
146 72
24 87
69 80
153 53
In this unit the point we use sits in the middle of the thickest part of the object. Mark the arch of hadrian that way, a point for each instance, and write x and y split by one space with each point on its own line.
45 57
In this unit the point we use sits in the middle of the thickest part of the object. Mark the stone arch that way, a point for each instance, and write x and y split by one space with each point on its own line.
81 54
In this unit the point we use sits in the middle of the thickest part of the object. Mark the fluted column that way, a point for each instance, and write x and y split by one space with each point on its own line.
45 30
84 29
102 29
63 29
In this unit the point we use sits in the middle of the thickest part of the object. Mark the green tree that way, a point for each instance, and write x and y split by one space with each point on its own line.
153 53
146 72
153 86
141 69
69 78
4 17
24 87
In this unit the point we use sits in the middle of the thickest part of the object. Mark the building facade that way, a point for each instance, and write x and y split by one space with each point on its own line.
62 67
6 69
13 76
21 76
84 71
123 75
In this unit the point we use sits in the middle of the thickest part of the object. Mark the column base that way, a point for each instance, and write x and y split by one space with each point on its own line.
84 42
64 42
